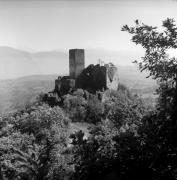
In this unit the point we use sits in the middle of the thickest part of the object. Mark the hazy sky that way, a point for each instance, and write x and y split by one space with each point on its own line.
60 25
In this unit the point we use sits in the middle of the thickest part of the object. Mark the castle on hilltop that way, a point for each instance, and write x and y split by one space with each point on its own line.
93 78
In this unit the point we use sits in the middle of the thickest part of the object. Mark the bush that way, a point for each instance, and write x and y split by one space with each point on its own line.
33 147
75 107
95 110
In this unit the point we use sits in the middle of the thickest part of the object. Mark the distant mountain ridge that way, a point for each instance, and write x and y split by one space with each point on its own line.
16 63
23 75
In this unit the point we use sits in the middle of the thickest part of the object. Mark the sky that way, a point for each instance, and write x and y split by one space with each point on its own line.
44 25
59 25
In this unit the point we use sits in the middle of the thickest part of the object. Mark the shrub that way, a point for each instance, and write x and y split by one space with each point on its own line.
34 147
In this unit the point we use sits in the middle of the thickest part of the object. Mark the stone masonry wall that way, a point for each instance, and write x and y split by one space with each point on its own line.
98 78
64 85
93 78
76 62
112 77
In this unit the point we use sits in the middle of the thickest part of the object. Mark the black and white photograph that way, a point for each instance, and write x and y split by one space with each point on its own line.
88 89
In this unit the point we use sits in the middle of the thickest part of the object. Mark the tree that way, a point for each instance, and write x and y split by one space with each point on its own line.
108 151
75 106
148 151
157 61
82 106
33 144
158 131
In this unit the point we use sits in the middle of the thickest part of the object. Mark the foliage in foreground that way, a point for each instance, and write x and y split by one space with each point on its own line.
32 144
149 151
34 141
125 142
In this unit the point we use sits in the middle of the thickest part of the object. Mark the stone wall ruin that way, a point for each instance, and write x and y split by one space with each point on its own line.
76 62
93 78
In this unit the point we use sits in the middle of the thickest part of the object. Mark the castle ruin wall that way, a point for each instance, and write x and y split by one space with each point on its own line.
76 62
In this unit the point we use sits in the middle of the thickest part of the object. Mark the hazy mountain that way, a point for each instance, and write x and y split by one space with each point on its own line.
17 63
121 57
16 93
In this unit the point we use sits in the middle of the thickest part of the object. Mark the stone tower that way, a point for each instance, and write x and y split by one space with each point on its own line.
76 62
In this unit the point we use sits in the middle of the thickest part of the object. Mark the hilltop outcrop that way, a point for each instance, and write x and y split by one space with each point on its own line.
93 78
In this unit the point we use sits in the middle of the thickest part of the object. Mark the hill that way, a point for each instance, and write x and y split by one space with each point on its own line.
18 85
16 93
